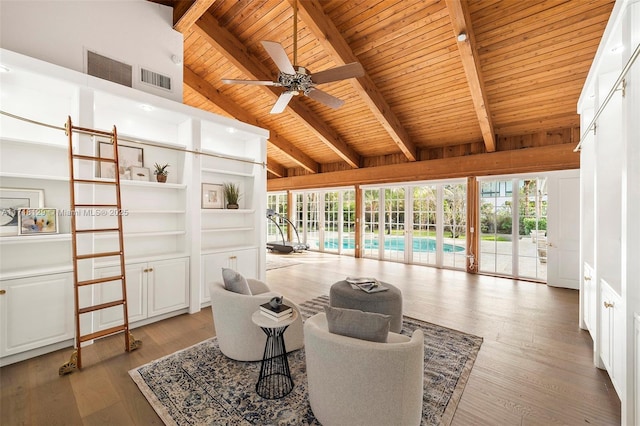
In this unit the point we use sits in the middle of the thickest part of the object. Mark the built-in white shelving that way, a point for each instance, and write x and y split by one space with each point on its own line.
169 240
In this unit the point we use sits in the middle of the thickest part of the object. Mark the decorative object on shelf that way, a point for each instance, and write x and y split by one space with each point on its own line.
11 201
140 173
128 156
37 221
231 194
212 196
161 172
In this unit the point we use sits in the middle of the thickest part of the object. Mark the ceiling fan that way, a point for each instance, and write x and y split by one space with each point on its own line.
298 80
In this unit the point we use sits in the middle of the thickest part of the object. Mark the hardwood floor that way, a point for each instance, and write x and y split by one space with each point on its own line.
534 368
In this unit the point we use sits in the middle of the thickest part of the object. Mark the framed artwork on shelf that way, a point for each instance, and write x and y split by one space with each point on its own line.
37 221
11 201
128 156
140 173
212 196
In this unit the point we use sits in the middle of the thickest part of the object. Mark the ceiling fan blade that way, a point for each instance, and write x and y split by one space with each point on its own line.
255 82
279 56
325 98
282 102
343 72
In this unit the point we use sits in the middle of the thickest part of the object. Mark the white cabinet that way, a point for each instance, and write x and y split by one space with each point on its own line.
612 340
243 261
589 298
35 312
153 288
168 286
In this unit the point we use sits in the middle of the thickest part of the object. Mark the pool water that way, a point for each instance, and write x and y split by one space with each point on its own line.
423 245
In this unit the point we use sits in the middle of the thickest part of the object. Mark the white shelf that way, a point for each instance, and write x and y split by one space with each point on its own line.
244 228
226 172
226 249
223 211
31 272
32 176
29 239
141 234
155 185
62 147
157 211
142 259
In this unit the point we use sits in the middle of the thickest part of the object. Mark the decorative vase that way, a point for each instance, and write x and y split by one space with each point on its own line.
161 178
232 206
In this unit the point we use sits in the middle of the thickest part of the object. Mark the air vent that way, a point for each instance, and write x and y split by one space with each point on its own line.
155 79
109 69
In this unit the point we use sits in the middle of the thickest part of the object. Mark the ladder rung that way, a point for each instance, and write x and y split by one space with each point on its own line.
102 333
85 231
101 306
92 158
99 280
96 205
94 255
97 182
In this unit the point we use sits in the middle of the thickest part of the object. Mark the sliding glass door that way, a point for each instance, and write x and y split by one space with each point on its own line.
513 227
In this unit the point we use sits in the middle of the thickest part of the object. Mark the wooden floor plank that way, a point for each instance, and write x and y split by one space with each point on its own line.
534 368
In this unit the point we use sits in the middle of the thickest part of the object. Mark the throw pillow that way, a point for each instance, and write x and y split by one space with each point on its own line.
235 282
358 324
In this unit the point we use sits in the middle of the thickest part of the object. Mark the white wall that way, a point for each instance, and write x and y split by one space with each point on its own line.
136 32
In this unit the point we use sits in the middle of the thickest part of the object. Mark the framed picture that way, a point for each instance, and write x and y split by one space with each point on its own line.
140 173
128 156
37 221
212 196
11 201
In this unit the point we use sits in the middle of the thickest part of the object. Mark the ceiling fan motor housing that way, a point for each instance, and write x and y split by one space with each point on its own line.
298 82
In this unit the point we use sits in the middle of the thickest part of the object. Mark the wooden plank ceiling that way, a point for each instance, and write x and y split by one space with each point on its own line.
512 82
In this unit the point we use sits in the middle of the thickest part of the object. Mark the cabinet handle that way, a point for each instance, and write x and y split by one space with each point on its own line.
233 257
150 269
2 292
586 278
608 305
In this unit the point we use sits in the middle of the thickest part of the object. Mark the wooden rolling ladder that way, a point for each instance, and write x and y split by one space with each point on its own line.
89 209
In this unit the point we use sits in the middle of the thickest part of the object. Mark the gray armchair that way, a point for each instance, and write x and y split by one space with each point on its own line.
239 338
359 382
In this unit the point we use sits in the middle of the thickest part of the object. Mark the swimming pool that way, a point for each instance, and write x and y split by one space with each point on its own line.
396 243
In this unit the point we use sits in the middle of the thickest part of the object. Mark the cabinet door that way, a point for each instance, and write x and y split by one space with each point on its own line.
168 286
606 329
243 261
136 296
36 312
589 299
212 265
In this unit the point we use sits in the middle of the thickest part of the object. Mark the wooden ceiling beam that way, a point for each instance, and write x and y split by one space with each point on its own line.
461 22
327 33
188 17
201 86
229 46
528 160
276 169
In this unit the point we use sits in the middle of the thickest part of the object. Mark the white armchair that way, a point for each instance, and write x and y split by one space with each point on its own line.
238 337
358 382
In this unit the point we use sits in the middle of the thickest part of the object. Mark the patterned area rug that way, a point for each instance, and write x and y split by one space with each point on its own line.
200 386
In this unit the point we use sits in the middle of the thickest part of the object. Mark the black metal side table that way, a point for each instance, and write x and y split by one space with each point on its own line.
275 377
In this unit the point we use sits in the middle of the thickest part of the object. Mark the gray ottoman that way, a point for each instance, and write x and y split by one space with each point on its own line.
388 302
